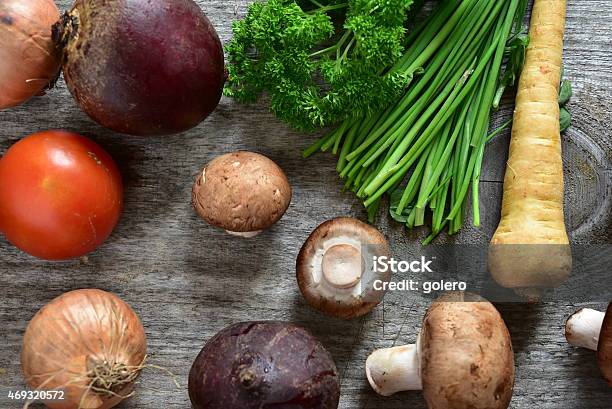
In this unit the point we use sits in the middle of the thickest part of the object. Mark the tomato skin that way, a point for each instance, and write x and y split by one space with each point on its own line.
61 195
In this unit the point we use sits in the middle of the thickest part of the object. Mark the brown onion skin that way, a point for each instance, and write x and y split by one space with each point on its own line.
268 364
28 58
142 67
74 330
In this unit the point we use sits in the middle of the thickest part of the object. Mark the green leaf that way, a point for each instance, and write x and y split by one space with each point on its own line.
565 119
565 92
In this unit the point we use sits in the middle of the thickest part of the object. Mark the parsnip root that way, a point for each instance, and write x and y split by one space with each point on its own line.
530 248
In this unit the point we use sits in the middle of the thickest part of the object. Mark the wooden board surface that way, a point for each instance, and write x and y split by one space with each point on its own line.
187 280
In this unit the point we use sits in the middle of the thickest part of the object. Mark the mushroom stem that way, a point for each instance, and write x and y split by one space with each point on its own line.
342 266
583 327
396 369
244 234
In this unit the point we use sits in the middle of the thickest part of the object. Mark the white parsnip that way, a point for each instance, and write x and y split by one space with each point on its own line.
530 248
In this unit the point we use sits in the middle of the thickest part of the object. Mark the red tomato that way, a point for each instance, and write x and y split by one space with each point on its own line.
60 195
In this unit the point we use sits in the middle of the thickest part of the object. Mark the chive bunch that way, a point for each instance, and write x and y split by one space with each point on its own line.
426 149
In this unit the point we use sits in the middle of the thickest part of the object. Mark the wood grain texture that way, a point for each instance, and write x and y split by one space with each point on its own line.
188 281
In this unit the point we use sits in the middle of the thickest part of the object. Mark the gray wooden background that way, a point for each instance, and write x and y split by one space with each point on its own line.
187 280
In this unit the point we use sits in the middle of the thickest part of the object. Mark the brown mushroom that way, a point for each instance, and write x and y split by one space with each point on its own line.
592 329
335 267
462 359
242 192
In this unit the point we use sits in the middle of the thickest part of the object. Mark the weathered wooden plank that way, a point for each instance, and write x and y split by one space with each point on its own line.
187 281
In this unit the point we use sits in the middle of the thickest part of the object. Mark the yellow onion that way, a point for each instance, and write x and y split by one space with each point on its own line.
28 58
88 343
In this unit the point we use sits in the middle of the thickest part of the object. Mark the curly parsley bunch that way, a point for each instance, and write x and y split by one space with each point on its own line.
315 73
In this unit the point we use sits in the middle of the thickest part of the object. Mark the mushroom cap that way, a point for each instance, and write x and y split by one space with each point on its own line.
466 354
241 192
334 267
604 346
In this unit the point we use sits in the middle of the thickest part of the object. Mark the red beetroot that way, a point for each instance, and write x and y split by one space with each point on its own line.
142 67
268 364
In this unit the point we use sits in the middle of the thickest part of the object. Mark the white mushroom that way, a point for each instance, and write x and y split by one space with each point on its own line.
583 327
592 329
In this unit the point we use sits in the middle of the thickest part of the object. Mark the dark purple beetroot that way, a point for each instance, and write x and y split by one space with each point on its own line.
264 365
142 67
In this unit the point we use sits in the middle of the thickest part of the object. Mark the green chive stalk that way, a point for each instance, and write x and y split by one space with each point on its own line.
426 150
